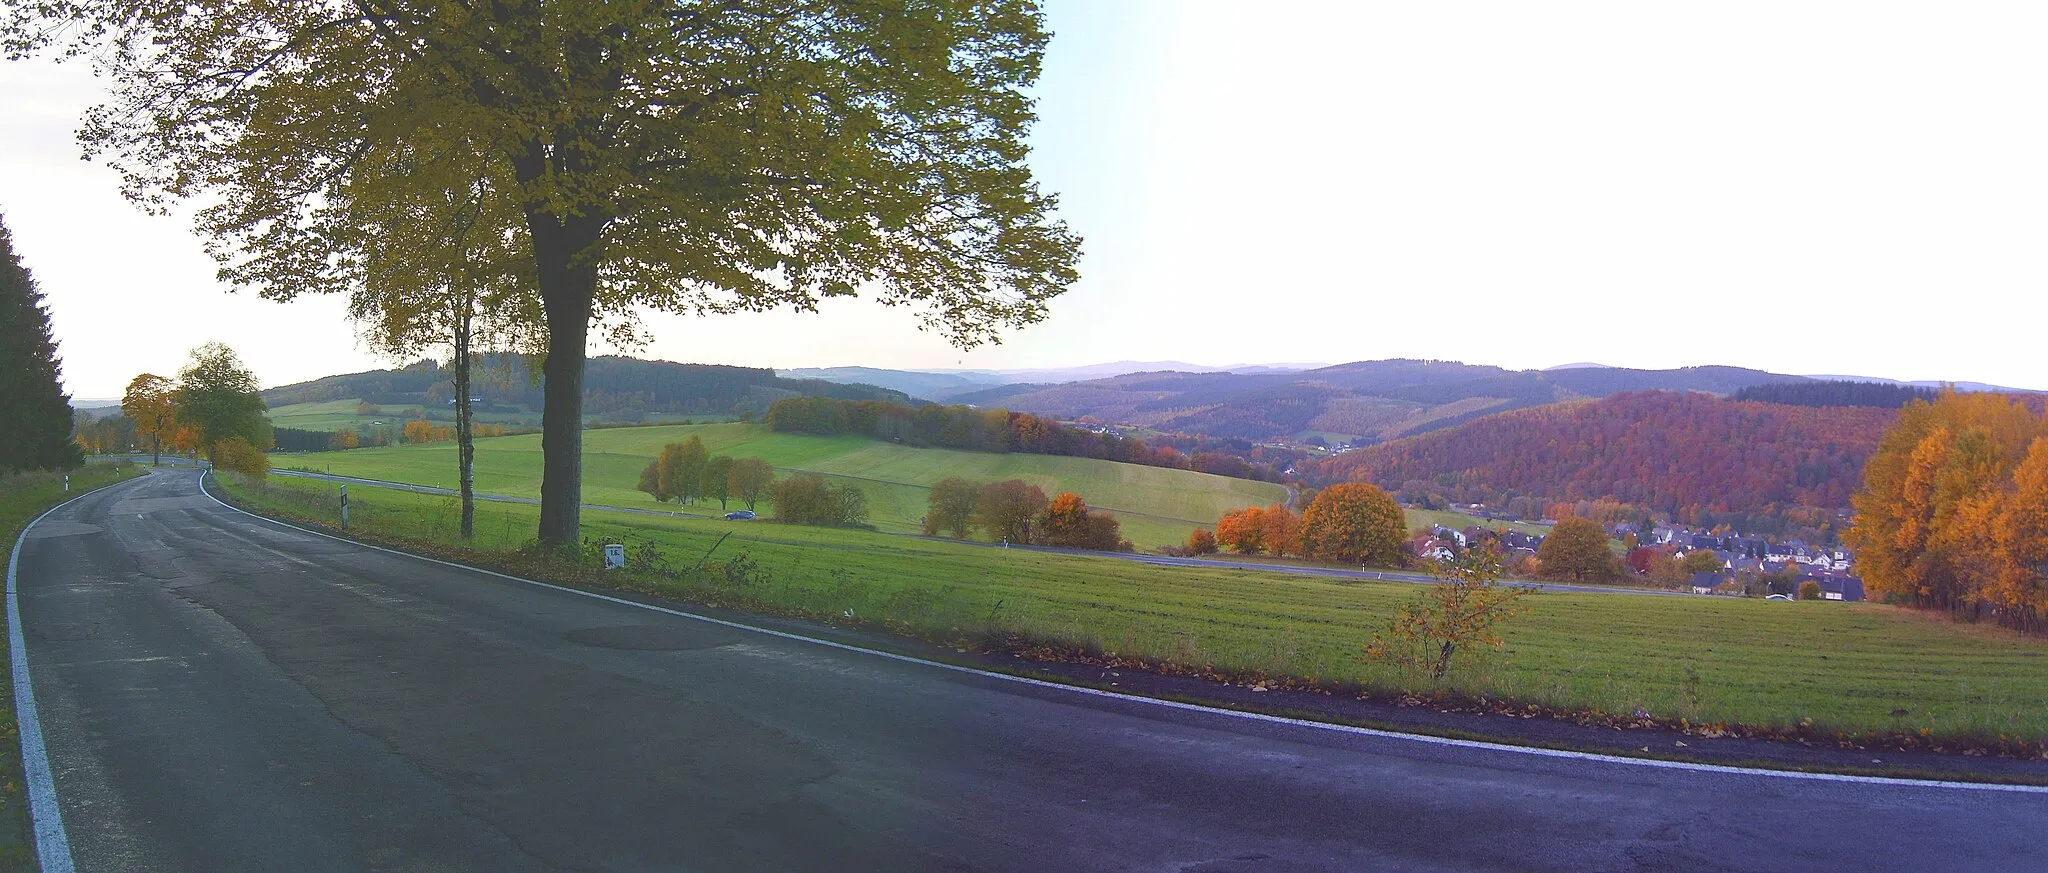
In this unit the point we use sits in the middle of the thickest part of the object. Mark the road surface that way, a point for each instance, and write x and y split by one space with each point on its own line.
220 693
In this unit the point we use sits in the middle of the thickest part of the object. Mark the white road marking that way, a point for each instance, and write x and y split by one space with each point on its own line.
1192 707
53 845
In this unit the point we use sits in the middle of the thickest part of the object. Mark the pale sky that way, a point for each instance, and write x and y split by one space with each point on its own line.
1799 187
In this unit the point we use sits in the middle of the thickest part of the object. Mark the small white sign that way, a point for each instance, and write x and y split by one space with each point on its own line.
614 556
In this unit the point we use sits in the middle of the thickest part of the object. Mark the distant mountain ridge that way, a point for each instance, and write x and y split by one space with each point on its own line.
1369 401
614 387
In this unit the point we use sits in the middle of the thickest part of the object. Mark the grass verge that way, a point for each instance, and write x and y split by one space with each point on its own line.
1812 671
23 496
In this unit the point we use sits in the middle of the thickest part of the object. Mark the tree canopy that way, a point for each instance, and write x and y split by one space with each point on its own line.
1577 550
687 156
1353 522
151 402
219 398
35 413
1954 510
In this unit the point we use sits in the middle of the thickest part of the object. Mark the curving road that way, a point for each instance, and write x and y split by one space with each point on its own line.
221 693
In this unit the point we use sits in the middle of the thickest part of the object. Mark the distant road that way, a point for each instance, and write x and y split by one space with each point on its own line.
1157 560
221 693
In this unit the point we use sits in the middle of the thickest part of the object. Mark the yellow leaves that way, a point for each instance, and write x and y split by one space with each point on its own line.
1954 508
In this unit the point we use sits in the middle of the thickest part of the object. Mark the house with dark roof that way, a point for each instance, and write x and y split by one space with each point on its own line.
1848 589
1705 583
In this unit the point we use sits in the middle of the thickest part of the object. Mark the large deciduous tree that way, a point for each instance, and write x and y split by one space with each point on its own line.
685 155
1353 523
1951 515
218 398
150 402
950 507
750 478
35 413
1577 550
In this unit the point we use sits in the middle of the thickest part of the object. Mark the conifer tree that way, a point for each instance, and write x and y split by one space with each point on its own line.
35 413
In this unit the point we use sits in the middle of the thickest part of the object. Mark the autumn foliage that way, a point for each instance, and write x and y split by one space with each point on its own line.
1453 617
1576 550
1201 542
1693 458
1352 523
1068 522
241 456
1953 514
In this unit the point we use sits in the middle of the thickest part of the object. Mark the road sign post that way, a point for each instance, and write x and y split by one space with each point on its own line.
344 507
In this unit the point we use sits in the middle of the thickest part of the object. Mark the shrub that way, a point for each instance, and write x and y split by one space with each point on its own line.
1201 542
1809 590
236 453
809 499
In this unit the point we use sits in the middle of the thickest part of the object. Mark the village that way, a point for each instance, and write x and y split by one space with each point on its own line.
1676 557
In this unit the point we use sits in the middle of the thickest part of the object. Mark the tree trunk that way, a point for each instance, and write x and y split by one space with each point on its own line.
465 444
156 450
564 253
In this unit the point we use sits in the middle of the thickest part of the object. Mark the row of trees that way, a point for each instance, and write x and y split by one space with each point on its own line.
964 427
1015 511
215 402
35 413
1953 514
686 472
1349 523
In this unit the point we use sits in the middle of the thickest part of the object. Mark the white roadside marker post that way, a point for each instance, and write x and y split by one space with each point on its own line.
344 507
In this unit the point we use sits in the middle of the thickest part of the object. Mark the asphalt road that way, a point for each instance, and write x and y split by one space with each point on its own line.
1156 560
220 693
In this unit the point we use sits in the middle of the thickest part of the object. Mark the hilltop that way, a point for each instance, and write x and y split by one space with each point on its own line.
1361 402
615 389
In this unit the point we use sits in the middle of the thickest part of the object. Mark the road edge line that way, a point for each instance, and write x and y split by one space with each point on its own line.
1261 717
46 817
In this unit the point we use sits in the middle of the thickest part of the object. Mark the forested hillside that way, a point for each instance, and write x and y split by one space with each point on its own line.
617 388
1690 457
1836 392
1365 401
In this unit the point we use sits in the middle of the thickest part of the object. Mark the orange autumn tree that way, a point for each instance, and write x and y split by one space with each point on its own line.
1069 522
1242 530
1201 542
1352 523
1279 530
1950 513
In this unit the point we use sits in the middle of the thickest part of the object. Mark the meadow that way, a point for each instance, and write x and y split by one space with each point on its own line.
1156 506
1858 669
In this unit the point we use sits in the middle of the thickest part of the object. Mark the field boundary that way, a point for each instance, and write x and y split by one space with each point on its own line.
1178 705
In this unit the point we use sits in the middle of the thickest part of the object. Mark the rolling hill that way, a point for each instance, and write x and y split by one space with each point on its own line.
616 389
1372 400
1157 506
1698 459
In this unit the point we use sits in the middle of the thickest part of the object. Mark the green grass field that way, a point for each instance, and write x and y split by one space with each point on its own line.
1460 521
1846 667
1157 506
